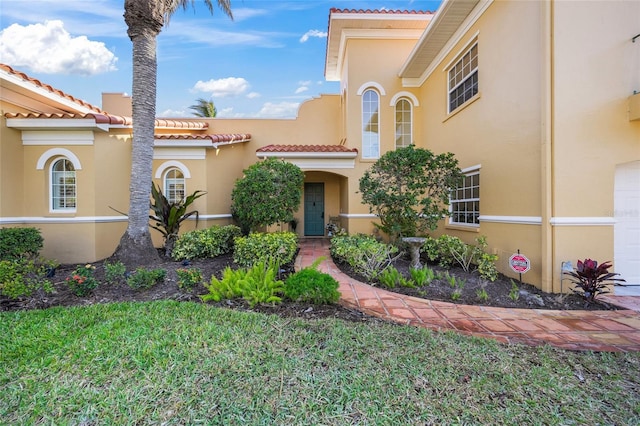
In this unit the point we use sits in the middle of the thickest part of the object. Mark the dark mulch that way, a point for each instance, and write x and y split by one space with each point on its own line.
529 297
497 291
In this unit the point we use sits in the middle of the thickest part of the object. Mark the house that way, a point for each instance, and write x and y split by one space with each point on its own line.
538 101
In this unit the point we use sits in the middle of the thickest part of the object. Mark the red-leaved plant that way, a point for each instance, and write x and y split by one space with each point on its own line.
592 279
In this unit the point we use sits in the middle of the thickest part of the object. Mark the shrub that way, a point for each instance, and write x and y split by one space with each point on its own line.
189 278
312 286
114 272
257 284
592 279
269 192
448 251
363 253
146 278
276 247
16 243
205 243
23 277
82 281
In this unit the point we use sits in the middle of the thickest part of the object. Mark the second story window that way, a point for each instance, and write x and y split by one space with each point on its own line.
370 124
463 78
404 136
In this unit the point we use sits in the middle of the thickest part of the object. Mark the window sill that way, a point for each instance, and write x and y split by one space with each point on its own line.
461 227
462 107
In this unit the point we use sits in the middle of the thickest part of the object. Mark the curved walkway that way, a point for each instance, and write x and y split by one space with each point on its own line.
612 331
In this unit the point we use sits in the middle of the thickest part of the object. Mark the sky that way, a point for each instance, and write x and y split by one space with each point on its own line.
262 64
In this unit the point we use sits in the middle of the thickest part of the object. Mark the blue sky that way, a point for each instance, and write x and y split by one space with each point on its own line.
264 63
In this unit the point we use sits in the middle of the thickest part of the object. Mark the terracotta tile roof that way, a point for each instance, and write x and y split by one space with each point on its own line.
215 139
114 120
48 88
306 149
386 11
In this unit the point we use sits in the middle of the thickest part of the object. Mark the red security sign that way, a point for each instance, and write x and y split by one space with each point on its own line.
519 263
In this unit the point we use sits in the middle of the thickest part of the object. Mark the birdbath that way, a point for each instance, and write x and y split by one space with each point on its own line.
415 243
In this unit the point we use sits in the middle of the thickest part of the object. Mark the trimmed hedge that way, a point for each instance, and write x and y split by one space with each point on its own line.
274 247
17 243
205 243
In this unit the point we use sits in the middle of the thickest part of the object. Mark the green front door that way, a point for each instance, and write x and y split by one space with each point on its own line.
314 209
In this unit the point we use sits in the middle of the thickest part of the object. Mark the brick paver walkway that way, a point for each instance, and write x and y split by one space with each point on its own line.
612 331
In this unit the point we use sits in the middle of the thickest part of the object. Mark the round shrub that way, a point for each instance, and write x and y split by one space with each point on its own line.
312 286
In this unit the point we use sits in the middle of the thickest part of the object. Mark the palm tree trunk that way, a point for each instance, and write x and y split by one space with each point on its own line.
135 246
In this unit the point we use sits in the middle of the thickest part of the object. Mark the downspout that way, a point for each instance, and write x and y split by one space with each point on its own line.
548 150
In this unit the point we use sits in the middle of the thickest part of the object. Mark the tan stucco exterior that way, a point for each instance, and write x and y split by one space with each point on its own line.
555 116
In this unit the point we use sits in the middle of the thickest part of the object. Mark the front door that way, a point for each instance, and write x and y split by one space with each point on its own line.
314 209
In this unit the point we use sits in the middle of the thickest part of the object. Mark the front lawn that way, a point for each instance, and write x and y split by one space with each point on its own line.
182 363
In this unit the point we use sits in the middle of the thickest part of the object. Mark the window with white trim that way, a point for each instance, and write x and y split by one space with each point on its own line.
63 186
404 131
465 200
370 124
174 185
463 78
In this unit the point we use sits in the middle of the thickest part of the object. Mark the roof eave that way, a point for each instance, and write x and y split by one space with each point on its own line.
56 124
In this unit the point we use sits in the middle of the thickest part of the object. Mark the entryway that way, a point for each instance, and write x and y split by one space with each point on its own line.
626 235
313 209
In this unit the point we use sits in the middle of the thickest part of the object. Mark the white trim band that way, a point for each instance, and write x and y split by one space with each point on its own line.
516 220
60 220
582 221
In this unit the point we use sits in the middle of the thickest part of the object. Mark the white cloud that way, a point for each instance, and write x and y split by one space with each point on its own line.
228 113
279 110
231 86
312 33
253 95
172 113
49 48
301 89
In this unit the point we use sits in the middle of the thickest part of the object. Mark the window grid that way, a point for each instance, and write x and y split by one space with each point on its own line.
465 201
404 135
463 79
370 125
174 186
63 185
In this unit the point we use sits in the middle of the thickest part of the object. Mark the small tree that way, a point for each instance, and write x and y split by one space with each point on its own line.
270 192
409 190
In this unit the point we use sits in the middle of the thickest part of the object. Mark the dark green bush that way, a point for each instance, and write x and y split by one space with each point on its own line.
311 286
146 278
16 243
205 243
274 247
367 256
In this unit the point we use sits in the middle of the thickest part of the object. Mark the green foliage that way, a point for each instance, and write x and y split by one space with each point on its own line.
276 247
422 276
391 277
143 278
23 277
256 285
205 243
482 294
114 272
408 189
82 280
457 284
311 286
168 216
189 278
16 243
514 293
448 251
270 192
367 256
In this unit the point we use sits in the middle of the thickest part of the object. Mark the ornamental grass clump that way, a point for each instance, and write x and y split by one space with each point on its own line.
592 279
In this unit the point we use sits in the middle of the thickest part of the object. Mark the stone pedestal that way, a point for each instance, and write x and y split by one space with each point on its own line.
414 245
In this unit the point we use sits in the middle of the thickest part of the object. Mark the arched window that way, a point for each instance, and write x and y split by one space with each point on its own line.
174 185
63 185
370 124
404 131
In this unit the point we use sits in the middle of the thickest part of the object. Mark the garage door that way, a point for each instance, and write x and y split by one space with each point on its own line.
627 227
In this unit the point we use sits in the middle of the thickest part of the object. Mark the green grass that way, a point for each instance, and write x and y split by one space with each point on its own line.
189 363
